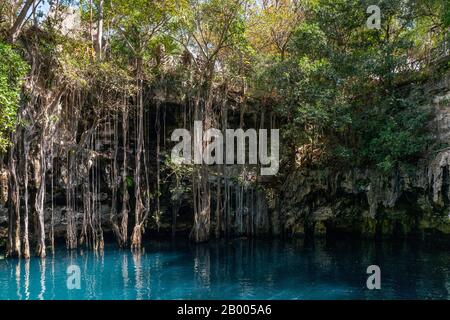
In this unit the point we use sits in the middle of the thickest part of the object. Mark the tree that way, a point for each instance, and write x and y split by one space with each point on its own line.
272 25
139 23
210 28
338 86
15 30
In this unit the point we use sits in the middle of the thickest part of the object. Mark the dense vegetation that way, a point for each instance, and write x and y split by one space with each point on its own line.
342 95
12 73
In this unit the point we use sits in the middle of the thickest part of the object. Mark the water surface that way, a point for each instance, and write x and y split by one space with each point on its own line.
237 269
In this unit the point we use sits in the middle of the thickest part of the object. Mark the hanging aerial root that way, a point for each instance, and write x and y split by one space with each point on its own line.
136 237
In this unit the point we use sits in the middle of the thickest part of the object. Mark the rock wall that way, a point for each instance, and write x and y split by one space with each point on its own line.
412 202
309 202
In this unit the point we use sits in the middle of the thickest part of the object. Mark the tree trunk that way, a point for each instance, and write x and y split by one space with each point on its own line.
14 32
123 239
39 204
202 216
218 207
52 222
71 231
158 174
137 231
26 243
99 45
13 248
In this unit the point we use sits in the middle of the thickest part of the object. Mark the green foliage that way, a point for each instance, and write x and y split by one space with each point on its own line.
338 86
129 181
332 82
178 175
142 26
446 14
396 134
12 72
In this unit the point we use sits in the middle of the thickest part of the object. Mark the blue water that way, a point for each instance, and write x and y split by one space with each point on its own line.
238 269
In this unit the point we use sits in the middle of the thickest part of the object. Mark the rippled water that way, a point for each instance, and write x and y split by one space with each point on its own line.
238 269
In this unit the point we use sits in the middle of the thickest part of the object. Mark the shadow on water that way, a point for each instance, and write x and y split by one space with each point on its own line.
236 269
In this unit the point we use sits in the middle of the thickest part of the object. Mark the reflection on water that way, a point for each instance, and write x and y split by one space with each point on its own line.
237 269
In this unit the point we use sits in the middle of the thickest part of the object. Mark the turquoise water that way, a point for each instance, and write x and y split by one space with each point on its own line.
238 269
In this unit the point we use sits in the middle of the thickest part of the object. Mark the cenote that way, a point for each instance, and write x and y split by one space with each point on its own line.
236 269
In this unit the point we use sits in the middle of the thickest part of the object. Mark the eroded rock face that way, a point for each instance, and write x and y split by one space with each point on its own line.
352 201
310 201
368 202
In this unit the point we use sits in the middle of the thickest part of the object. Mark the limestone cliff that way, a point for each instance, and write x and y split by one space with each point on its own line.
413 201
